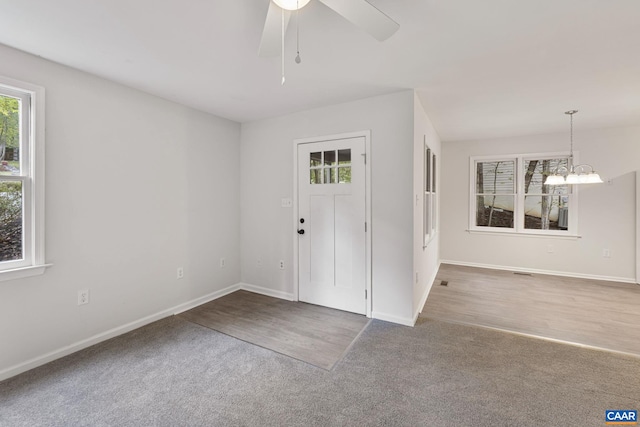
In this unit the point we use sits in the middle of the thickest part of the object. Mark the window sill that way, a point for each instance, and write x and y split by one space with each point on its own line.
520 234
22 272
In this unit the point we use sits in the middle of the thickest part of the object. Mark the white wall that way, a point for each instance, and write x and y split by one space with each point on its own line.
425 260
267 176
606 212
135 187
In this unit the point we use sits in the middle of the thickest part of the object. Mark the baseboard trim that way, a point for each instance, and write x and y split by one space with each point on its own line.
266 291
423 299
405 321
112 333
547 272
205 299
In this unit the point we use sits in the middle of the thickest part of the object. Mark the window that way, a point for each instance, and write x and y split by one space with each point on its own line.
330 167
21 180
508 194
429 208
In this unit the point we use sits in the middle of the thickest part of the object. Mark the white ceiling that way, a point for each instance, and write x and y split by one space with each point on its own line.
482 68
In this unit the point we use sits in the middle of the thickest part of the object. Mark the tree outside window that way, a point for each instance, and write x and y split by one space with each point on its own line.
509 195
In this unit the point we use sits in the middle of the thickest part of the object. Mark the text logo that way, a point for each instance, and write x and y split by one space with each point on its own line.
620 417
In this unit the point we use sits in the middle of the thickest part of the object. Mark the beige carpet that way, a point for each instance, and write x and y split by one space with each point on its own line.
316 335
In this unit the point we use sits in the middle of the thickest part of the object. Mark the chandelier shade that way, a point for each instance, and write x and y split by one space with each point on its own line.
291 4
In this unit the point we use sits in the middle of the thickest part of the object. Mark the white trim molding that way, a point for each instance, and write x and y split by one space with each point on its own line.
32 174
537 271
366 134
123 329
20 273
268 292
425 295
404 321
638 227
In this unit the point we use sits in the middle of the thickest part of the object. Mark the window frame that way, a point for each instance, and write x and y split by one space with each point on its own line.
32 178
519 197
429 197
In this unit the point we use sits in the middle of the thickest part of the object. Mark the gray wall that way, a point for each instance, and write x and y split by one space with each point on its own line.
135 187
606 211
267 176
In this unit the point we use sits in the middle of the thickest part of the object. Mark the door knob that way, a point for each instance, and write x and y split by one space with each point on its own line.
300 231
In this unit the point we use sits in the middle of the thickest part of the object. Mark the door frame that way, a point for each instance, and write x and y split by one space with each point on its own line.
366 134
638 227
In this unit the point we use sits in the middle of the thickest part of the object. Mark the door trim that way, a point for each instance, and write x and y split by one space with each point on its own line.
366 134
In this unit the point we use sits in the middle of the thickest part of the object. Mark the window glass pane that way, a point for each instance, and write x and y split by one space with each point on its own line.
537 171
433 173
316 176
427 169
315 159
329 158
9 135
495 177
10 220
344 157
330 176
494 211
546 212
344 175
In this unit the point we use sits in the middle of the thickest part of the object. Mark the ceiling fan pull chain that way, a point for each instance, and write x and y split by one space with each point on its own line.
283 79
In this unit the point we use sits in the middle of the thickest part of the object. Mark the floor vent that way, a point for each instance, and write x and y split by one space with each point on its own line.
522 274
444 283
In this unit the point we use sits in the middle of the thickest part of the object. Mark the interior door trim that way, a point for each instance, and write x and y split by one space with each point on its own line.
366 134
638 227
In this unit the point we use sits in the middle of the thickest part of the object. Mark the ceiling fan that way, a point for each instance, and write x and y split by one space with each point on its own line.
359 12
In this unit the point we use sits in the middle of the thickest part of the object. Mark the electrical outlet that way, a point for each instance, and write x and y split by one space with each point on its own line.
180 273
223 262
259 261
606 253
83 296
281 264
417 280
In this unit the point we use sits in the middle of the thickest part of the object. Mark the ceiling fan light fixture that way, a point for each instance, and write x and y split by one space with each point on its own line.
291 4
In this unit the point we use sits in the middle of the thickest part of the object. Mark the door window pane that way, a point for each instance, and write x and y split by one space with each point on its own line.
344 157
494 211
495 177
329 158
9 135
10 220
344 175
315 159
329 175
316 176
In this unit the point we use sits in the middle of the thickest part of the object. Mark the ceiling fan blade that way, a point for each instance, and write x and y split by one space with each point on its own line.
366 16
270 44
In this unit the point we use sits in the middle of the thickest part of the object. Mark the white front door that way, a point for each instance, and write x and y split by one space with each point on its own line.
331 224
